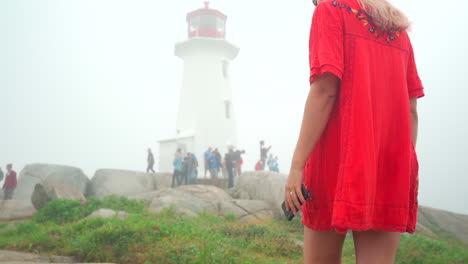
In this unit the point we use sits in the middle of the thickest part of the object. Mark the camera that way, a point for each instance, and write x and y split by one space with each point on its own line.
289 213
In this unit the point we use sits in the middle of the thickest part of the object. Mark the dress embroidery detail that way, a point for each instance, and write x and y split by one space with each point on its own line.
366 18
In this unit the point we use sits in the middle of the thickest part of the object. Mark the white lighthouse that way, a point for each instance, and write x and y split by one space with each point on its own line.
206 112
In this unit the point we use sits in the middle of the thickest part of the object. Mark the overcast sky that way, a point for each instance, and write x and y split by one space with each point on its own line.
93 83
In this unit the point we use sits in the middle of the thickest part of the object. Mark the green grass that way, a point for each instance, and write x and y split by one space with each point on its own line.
419 249
64 211
166 237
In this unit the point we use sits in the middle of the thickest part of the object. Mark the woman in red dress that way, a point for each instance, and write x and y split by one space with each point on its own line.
356 149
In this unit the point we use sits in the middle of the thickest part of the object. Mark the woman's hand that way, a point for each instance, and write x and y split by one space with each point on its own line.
293 193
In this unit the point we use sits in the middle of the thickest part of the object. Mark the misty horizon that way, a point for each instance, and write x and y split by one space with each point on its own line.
93 84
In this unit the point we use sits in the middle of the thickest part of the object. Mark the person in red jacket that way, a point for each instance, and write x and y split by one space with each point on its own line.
259 165
10 182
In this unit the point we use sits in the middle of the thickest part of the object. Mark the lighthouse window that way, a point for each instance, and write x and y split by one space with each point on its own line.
227 105
220 24
225 67
195 23
207 21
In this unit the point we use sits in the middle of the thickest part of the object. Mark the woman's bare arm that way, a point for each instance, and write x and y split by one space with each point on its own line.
414 119
319 104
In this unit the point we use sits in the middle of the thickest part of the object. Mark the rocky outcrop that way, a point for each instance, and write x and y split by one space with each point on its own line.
14 257
120 182
12 210
203 192
47 191
248 211
35 173
191 200
263 185
433 221
108 213
161 180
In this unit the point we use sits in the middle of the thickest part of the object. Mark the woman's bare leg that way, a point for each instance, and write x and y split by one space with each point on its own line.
322 247
374 246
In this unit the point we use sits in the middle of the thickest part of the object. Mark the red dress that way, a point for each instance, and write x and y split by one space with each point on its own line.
363 172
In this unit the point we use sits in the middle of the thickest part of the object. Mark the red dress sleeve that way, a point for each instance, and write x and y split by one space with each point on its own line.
415 87
326 42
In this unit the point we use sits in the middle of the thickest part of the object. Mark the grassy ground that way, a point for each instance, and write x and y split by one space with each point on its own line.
165 237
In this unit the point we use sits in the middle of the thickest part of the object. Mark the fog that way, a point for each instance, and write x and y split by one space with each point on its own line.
94 83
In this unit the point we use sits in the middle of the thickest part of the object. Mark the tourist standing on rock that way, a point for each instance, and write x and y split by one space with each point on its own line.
263 153
275 164
223 168
206 157
237 161
214 169
259 165
356 149
219 159
185 171
241 162
10 183
271 163
150 160
192 164
196 167
228 159
177 163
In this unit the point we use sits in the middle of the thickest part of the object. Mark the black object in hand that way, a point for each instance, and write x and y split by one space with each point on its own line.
289 213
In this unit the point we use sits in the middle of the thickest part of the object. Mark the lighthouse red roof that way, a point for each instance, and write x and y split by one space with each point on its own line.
206 22
206 11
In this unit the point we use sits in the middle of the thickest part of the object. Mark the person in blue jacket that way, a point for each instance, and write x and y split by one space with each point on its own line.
177 163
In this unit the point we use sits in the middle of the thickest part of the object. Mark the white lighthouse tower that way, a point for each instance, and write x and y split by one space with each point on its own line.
206 113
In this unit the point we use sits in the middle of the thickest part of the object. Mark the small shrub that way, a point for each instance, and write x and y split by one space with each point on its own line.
230 217
256 231
118 203
64 210
108 242
90 224
27 228
59 211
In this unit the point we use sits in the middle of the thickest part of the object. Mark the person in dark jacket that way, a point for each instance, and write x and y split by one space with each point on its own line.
150 162
184 172
192 164
10 183
229 163
219 159
237 162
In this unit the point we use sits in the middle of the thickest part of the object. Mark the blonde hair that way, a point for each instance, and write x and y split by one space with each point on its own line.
385 15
